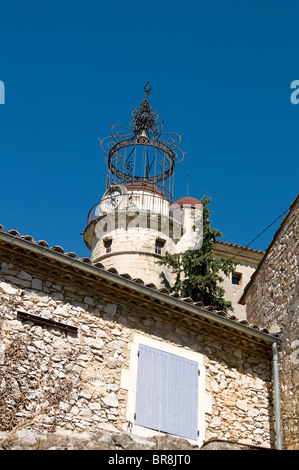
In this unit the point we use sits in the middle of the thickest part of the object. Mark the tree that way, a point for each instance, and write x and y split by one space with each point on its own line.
197 272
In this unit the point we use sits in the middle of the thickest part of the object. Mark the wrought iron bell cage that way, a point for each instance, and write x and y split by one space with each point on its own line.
137 154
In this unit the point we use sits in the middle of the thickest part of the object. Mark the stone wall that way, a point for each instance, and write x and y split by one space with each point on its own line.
247 261
272 301
55 380
109 441
233 292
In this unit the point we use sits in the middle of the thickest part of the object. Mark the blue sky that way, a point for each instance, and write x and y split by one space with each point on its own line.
220 74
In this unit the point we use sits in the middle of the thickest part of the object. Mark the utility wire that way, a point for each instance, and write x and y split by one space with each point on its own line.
260 233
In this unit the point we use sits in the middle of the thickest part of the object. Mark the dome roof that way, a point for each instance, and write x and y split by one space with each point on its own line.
187 200
144 186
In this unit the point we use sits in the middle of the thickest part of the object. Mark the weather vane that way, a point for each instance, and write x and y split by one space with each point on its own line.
147 92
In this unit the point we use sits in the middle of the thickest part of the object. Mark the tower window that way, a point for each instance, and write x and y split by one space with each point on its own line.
159 247
107 245
236 279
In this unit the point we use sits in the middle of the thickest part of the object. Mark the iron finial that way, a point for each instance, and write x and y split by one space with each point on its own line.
147 92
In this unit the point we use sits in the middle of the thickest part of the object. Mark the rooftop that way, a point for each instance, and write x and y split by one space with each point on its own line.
54 262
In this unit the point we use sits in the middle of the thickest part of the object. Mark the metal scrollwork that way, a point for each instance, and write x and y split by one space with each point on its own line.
138 153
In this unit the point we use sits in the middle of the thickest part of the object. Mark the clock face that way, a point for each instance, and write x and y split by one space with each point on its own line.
113 199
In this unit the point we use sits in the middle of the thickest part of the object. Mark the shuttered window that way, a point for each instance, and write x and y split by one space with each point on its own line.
167 393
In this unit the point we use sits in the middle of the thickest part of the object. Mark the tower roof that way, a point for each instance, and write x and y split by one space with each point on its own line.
187 200
144 186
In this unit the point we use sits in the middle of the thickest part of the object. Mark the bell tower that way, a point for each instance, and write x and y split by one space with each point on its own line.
136 222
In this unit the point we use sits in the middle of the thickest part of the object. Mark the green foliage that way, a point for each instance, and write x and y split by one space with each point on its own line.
197 271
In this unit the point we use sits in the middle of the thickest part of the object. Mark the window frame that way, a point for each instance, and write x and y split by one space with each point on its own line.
108 245
159 246
167 393
129 383
239 277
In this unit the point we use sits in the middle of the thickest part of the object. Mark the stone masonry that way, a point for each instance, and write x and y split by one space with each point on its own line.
58 380
272 299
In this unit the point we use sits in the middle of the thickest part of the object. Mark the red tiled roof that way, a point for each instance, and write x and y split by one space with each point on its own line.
187 200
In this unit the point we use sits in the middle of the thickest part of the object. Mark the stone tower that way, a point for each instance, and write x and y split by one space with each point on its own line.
136 221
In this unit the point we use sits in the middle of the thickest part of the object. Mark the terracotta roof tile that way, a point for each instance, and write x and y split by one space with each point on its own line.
235 245
42 243
187 200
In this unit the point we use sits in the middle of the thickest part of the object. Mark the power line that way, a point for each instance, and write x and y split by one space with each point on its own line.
261 233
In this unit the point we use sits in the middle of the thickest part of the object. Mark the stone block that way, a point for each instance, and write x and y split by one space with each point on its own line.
18 281
36 284
110 400
8 288
24 275
110 308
